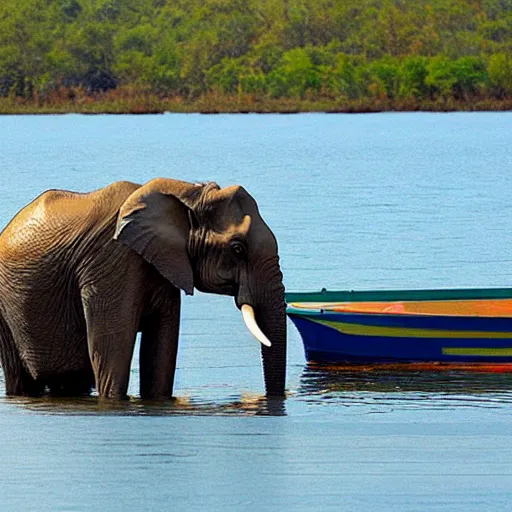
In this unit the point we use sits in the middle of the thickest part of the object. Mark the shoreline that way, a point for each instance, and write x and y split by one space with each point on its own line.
117 103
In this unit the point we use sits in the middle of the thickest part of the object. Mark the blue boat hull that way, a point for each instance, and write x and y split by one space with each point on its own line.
367 338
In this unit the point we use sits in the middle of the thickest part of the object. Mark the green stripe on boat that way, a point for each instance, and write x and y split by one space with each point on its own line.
399 295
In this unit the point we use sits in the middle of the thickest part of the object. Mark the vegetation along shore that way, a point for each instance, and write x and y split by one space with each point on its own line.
143 56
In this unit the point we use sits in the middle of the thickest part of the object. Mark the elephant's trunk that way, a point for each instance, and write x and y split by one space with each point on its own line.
273 324
270 313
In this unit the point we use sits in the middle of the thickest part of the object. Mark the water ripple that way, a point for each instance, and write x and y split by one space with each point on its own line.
404 389
245 405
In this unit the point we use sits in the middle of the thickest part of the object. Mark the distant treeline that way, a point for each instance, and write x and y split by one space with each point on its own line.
457 50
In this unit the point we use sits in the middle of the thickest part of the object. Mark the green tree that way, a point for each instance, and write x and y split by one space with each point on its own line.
295 75
441 76
471 76
90 45
24 41
386 75
133 54
500 74
164 75
461 78
226 76
413 75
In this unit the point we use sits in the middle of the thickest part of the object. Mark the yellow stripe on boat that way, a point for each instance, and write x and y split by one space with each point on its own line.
484 352
405 332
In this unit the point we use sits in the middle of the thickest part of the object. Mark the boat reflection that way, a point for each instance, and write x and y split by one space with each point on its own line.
405 385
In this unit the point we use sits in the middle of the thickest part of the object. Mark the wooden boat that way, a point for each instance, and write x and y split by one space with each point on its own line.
455 326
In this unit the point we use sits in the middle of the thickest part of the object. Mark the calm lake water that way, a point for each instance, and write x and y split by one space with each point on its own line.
357 202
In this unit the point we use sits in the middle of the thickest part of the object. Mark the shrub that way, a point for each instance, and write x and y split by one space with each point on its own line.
413 74
386 76
294 75
500 75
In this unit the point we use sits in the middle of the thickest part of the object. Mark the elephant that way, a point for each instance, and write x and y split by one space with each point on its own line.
82 273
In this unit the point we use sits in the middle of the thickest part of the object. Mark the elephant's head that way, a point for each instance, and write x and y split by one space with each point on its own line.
213 239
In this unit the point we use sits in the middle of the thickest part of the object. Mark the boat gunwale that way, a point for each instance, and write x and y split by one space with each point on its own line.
324 302
432 294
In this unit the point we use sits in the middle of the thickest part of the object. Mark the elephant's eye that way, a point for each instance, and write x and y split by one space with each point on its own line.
238 249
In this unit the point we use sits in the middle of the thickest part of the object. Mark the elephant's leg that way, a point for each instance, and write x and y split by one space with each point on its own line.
17 379
111 330
111 355
158 352
23 384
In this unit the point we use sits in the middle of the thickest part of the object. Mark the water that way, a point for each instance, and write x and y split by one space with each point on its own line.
356 202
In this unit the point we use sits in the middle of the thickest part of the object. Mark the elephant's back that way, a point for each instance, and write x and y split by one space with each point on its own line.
59 219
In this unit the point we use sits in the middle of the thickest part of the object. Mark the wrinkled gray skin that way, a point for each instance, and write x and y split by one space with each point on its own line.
81 274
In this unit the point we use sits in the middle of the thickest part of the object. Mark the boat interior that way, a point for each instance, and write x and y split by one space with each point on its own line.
474 307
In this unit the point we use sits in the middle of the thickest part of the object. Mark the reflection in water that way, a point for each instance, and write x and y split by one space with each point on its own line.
411 388
245 405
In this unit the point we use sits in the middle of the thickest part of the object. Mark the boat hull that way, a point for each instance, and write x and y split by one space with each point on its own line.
331 343
350 337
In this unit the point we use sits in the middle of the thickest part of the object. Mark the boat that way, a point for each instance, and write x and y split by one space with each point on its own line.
456 327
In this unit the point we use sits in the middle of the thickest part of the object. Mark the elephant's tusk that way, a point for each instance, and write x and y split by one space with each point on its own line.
250 322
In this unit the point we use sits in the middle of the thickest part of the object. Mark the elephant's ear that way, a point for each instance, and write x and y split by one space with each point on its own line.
156 226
